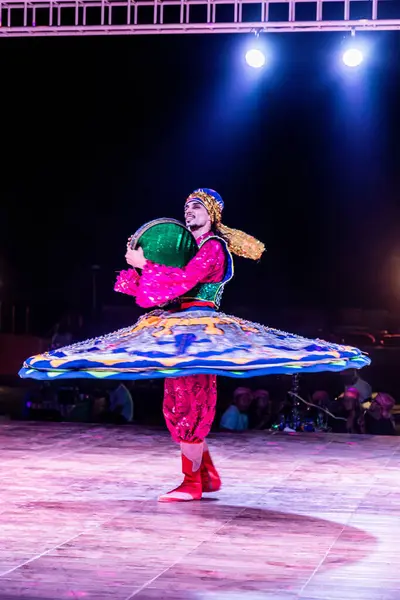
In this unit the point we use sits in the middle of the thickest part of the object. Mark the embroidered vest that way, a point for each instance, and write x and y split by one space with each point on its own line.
211 292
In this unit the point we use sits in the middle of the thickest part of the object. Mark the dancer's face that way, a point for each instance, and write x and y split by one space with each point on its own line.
196 216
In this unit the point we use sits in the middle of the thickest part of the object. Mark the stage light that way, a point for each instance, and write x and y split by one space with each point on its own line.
255 58
353 57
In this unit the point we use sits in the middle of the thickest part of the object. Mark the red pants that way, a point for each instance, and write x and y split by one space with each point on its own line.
189 406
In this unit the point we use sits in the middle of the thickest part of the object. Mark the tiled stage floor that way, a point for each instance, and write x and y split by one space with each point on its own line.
300 516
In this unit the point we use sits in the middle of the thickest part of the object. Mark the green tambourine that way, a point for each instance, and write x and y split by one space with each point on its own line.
165 242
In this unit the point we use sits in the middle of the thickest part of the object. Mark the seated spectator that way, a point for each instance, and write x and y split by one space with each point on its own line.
121 405
235 418
348 408
100 407
260 413
378 418
317 413
320 398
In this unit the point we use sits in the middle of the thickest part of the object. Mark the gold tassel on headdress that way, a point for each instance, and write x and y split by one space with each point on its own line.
239 242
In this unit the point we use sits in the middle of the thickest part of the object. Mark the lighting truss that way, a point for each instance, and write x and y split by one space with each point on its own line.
135 17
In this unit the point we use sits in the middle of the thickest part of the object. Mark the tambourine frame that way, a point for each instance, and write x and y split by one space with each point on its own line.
135 237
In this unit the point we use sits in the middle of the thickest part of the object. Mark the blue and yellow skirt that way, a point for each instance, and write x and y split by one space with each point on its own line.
175 344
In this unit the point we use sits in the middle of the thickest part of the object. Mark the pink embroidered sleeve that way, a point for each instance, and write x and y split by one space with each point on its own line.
127 282
159 284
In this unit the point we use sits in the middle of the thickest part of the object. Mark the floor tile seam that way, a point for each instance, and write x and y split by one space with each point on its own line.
186 554
343 528
57 546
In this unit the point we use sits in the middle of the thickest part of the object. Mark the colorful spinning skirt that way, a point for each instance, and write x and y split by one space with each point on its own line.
175 344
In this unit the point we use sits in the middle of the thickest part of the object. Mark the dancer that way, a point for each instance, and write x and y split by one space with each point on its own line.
190 342
190 402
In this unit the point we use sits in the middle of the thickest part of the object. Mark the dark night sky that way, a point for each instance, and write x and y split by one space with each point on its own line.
100 135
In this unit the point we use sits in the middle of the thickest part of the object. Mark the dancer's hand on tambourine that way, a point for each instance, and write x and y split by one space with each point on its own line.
135 258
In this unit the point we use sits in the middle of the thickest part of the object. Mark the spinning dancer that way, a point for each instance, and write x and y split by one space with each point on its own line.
190 402
189 342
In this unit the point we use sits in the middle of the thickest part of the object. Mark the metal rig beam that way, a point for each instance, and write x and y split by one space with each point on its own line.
127 17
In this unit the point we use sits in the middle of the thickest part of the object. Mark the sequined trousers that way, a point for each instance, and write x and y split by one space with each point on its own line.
189 406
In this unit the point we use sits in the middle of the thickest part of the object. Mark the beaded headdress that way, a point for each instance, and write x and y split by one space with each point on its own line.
239 243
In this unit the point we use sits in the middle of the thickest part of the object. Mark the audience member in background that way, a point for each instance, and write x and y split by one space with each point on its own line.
260 412
348 408
321 398
121 405
235 418
100 406
378 417
322 402
352 379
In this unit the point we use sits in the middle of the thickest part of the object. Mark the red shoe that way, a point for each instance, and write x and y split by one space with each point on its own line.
210 479
191 487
